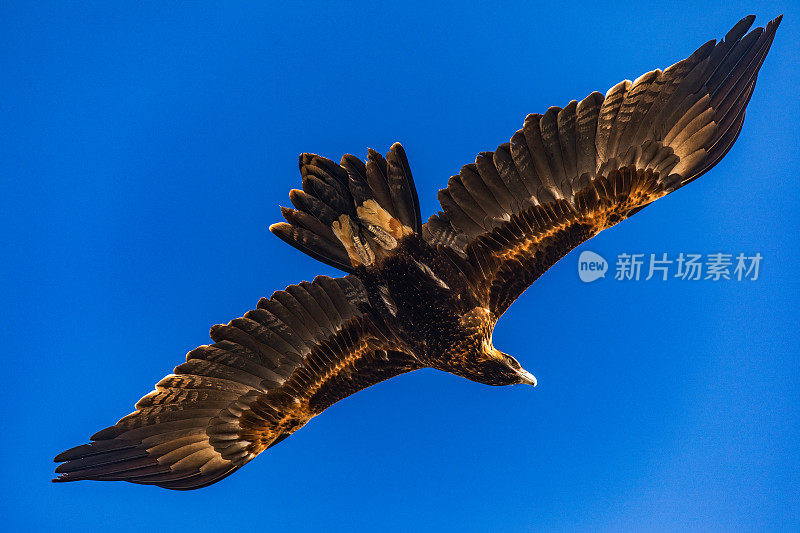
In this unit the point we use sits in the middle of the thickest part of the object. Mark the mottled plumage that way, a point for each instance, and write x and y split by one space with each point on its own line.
425 295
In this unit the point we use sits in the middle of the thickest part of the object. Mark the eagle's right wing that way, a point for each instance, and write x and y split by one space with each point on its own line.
573 172
264 377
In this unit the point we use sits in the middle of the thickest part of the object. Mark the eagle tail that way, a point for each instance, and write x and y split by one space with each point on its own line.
351 214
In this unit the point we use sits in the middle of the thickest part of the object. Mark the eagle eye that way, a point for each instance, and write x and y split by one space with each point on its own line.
510 361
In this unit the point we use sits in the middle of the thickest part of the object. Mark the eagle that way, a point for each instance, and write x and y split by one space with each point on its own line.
425 295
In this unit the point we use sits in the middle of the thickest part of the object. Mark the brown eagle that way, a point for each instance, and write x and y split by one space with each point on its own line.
425 295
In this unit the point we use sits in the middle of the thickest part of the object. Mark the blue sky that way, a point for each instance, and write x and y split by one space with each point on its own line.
145 152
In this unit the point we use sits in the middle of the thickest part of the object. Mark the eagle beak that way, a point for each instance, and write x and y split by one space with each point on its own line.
526 377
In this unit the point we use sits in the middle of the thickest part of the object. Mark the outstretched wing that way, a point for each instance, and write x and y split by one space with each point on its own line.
264 377
573 172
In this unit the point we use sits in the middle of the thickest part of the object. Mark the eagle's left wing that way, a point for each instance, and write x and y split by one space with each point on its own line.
573 172
266 374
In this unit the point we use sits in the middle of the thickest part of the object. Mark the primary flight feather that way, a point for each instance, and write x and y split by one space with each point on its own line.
425 295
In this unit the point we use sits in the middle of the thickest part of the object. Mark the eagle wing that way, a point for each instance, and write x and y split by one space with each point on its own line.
573 172
265 376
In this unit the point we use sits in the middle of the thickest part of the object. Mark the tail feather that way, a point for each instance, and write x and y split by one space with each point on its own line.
351 214
402 189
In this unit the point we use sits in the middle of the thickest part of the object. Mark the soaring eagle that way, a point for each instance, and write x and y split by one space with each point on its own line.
428 294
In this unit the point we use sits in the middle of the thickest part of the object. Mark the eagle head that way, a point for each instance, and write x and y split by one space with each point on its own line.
497 368
478 360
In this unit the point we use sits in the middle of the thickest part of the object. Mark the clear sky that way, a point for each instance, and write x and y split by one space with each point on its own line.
145 152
